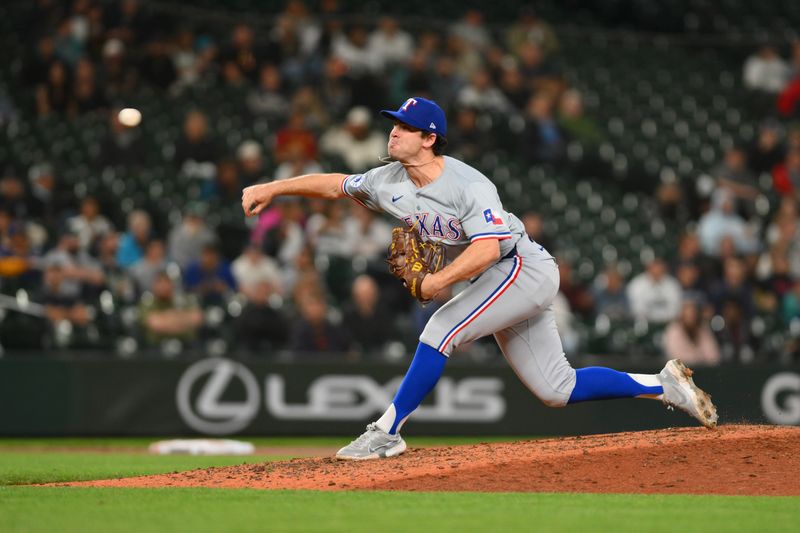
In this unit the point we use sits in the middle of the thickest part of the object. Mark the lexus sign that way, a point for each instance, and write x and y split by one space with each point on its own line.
218 396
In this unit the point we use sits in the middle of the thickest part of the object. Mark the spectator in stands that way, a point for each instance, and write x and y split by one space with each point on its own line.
467 140
90 224
767 150
261 326
187 240
734 288
336 87
672 205
196 143
62 303
118 279
689 251
185 60
120 79
252 166
784 221
18 262
86 95
688 275
574 122
226 187
577 294
167 315
279 231
352 48
466 59
252 269
241 54
775 283
482 95
331 233
732 174
122 145
296 163
354 142
766 71
313 332
370 234
543 141
472 30
210 277
13 198
267 99
306 101
133 243
54 95
368 321
146 269
721 221
207 61
298 270
529 27
77 272
734 336
786 175
690 338
539 72
295 135
610 298
654 295
512 84
389 45
48 196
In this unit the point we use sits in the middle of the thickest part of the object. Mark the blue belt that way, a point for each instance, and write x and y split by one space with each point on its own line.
511 253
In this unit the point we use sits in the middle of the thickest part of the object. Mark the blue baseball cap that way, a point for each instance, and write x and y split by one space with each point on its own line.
420 113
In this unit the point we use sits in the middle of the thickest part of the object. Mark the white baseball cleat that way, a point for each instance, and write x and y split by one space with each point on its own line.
373 444
681 392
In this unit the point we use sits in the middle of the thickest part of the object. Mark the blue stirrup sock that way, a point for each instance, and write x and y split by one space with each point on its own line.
421 378
600 383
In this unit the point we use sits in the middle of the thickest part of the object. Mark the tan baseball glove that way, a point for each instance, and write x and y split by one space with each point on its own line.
411 259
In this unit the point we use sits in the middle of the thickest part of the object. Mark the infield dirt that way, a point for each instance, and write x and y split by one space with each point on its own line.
733 459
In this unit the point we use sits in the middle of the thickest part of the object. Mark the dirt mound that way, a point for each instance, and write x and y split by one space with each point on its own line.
733 459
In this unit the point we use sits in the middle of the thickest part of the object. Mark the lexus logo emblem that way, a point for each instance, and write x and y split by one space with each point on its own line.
208 412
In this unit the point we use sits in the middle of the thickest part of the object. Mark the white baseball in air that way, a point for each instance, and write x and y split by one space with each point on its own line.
130 117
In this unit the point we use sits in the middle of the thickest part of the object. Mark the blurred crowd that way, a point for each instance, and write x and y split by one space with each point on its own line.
307 277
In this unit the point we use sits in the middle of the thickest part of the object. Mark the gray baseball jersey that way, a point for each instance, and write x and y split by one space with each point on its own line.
510 300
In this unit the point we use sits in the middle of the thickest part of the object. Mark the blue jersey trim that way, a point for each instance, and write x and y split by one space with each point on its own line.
491 233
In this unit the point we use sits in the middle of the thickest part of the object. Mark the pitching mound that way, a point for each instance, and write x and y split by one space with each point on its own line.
730 460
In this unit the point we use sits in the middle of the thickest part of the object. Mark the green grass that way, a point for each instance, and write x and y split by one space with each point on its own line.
26 468
32 509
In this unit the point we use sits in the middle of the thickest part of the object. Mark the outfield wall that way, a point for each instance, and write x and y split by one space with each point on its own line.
218 396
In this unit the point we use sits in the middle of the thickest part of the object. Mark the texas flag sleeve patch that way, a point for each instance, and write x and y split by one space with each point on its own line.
489 216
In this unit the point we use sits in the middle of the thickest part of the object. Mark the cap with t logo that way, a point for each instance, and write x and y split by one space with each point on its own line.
420 113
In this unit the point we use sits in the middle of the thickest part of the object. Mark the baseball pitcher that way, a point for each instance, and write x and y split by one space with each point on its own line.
455 229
